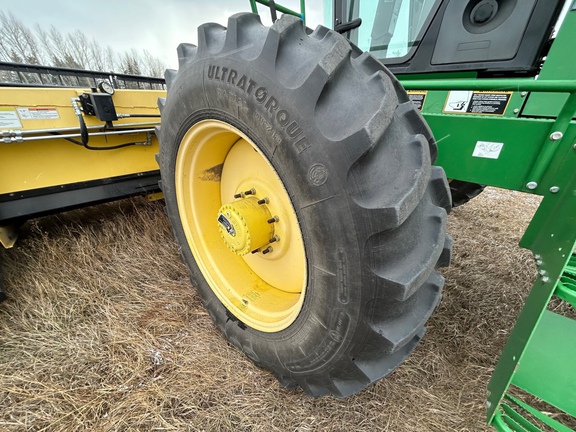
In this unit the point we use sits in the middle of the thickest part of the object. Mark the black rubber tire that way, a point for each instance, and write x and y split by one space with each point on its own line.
371 207
462 192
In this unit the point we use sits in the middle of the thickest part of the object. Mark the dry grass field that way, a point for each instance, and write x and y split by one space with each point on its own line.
104 332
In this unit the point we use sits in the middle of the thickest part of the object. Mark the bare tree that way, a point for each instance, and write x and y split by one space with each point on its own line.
97 57
18 42
58 48
130 63
80 48
110 57
153 66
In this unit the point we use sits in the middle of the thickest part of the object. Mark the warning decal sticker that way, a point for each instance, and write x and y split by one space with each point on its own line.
477 102
417 97
9 119
38 113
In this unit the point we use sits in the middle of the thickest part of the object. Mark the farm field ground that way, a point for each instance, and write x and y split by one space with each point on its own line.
104 332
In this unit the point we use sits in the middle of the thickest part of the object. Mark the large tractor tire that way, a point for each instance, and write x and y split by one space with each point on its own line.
298 181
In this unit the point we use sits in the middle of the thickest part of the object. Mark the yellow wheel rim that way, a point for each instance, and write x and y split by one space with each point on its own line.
240 225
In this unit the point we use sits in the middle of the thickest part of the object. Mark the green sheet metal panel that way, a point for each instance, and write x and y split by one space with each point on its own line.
458 137
527 147
556 67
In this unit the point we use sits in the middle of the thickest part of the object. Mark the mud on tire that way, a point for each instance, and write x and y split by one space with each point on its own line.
355 157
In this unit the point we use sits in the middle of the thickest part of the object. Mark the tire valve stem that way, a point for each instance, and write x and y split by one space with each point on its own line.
267 250
263 201
238 195
250 192
272 220
274 239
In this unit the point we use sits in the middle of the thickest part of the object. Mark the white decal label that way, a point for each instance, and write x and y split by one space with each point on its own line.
9 119
38 113
458 101
487 149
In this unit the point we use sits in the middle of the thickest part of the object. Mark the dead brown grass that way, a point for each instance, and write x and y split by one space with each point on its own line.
102 331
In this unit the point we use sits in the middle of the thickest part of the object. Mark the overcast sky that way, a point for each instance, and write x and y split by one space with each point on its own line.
157 25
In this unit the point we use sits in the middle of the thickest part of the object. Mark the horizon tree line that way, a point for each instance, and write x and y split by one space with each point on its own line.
50 47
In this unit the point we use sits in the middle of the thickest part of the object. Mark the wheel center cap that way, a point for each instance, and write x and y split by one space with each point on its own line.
244 226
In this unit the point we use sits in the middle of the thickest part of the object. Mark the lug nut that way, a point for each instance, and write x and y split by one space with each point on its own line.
250 192
255 251
267 250
274 239
263 201
238 195
272 220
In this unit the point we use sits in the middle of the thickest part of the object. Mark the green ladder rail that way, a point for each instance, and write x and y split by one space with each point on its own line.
280 8
546 369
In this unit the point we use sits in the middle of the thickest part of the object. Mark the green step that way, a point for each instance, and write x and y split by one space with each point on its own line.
510 419
548 368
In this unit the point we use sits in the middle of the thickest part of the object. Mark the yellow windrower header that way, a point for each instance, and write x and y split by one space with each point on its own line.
31 118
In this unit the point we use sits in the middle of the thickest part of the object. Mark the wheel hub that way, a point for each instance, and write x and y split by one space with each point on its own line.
244 225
